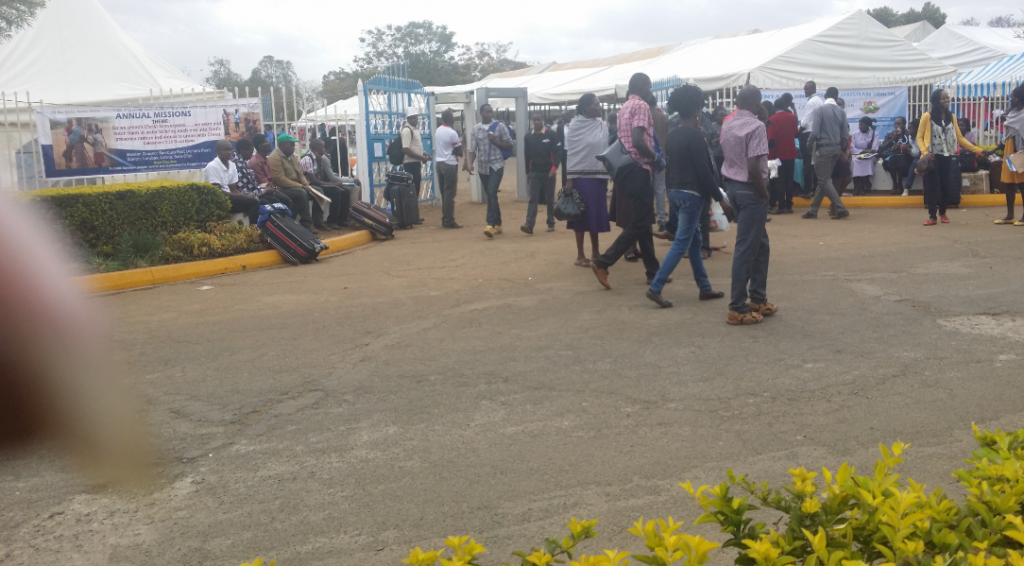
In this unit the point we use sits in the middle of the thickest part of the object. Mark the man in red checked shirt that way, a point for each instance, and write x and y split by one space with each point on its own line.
542 157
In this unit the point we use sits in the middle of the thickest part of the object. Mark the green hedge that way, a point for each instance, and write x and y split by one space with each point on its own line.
96 216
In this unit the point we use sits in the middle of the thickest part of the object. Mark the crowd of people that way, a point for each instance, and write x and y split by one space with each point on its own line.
78 135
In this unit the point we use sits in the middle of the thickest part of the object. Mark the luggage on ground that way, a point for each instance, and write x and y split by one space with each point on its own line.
404 199
293 240
374 218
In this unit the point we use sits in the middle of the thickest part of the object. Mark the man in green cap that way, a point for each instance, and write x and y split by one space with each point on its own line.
286 174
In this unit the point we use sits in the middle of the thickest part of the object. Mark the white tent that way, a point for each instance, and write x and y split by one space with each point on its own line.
968 48
76 54
914 33
995 79
343 111
848 51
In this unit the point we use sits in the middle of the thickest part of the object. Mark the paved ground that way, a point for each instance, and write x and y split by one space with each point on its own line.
344 412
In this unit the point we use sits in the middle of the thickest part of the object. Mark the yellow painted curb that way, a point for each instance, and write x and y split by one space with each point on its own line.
970 201
134 278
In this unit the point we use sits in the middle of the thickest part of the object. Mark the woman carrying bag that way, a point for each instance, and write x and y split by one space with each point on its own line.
1013 142
586 137
940 140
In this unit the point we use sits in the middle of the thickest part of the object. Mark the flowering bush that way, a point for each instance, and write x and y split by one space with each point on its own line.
220 239
835 519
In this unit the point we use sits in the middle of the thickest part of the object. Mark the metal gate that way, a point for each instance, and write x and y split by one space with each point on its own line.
383 104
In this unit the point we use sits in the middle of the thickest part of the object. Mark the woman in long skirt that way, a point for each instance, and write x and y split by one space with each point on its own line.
585 138
1013 134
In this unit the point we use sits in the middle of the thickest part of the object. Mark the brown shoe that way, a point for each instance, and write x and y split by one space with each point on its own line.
602 275
763 309
323 227
669 280
743 318
711 295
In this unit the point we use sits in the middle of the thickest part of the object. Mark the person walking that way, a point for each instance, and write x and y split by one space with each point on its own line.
830 135
486 141
1013 141
940 141
814 101
636 133
745 145
542 157
586 137
783 130
692 183
449 150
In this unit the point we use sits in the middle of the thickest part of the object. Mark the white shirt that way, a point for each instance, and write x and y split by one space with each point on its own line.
219 174
812 104
445 142
411 140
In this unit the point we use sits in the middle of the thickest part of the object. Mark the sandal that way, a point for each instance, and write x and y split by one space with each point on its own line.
705 255
631 258
763 309
582 262
1019 222
1004 221
743 319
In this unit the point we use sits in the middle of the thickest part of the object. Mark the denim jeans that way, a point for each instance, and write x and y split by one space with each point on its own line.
687 240
912 174
750 257
490 184
659 197
540 182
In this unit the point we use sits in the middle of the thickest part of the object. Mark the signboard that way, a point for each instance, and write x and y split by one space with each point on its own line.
882 104
78 141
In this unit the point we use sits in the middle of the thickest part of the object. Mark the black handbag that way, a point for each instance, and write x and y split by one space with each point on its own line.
617 160
570 205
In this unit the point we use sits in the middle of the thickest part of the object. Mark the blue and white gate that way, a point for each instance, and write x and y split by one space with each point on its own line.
383 104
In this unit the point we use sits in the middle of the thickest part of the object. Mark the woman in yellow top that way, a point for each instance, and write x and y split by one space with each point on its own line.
1013 141
940 140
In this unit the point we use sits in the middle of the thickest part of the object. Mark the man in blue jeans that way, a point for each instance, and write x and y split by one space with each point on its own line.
486 141
745 145
692 182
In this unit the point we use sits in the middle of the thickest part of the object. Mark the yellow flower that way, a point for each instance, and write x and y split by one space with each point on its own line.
810 505
419 558
581 529
540 558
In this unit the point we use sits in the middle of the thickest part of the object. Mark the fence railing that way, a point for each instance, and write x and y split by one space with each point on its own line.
283 110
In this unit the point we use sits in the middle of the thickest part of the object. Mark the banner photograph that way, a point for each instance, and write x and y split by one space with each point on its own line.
81 141
882 104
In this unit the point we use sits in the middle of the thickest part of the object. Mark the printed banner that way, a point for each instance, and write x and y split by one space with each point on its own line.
882 104
81 141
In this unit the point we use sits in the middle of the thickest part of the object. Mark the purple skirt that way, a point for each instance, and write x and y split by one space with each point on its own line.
595 219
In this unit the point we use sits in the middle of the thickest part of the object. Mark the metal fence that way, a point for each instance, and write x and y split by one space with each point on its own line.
283 110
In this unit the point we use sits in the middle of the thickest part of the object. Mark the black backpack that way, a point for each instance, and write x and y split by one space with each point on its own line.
396 154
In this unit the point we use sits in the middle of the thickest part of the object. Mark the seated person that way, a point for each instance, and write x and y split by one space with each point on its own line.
286 174
350 184
316 175
247 183
222 173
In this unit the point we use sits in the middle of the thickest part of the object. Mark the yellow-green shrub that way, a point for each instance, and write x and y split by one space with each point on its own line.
848 520
220 239
96 216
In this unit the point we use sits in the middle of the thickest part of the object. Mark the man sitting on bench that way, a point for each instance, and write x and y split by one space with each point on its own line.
317 176
222 173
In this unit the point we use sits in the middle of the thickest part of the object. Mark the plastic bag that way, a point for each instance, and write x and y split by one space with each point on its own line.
719 222
567 207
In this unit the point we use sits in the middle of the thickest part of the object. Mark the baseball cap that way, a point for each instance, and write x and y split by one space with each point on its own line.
285 137
411 111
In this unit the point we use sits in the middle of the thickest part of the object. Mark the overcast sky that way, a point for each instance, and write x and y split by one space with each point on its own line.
321 35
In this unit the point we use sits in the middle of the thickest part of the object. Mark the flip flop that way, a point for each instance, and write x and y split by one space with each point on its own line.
1004 221
582 263
1019 223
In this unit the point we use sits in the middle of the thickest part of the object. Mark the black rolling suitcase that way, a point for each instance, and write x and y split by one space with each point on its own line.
296 243
373 218
404 199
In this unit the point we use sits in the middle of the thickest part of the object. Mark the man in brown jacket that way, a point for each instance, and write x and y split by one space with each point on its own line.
286 173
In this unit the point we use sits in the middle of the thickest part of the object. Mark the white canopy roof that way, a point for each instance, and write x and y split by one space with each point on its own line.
995 79
968 48
914 33
342 111
57 63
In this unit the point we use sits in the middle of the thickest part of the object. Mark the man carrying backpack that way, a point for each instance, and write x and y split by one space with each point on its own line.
489 146
412 147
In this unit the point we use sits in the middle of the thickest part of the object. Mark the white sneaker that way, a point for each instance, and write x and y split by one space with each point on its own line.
906 193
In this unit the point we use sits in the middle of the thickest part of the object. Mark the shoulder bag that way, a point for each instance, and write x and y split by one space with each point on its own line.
617 161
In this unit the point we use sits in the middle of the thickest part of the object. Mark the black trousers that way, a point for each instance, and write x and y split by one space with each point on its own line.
250 206
416 170
277 197
781 188
636 185
339 207
810 182
938 186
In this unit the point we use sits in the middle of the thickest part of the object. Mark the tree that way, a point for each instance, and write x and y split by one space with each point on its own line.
891 18
272 72
16 15
886 16
1007 21
429 50
341 84
222 76
481 59
972 21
